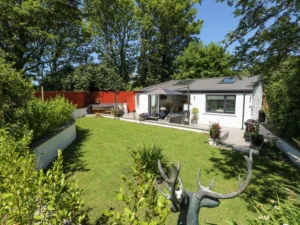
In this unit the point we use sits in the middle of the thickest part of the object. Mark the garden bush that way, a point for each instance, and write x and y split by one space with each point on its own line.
282 94
143 203
44 116
28 196
147 156
15 91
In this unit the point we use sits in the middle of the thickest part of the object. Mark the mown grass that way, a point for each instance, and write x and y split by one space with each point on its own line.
100 155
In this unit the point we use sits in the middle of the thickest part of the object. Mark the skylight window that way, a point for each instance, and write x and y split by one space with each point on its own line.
183 82
228 80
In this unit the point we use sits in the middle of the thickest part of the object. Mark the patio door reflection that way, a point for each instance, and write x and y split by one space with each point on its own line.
154 105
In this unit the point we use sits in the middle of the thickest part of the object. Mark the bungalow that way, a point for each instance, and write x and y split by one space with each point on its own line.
227 100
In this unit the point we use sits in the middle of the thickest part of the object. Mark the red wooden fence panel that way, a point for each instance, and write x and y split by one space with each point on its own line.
109 97
83 99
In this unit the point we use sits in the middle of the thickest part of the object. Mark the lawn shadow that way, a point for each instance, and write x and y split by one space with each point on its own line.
74 153
269 175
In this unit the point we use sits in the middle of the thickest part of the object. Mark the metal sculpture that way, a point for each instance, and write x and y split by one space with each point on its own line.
188 203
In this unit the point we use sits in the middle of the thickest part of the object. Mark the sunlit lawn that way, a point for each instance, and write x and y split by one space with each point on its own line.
100 155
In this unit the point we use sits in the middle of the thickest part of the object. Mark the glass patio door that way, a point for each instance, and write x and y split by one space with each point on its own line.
154 105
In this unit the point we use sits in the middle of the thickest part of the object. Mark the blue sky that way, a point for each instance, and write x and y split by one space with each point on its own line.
218 20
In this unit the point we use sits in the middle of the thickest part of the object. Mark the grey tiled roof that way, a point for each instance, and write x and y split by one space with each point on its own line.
208 85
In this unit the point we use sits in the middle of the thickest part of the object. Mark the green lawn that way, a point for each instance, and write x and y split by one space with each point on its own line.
100 155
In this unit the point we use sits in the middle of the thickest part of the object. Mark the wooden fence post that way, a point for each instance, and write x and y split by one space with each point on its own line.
42 91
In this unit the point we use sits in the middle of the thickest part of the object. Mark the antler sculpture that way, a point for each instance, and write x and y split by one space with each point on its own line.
188 203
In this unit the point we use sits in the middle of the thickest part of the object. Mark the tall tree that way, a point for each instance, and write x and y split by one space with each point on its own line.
71 46
32 29
198 61
268 32
114 31
166 28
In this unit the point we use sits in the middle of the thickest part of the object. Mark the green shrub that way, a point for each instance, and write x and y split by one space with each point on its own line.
143 204
44 116
147 156
282 94
15 91
28 196
280 211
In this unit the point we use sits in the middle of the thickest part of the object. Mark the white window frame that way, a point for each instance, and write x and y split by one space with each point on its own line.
224 104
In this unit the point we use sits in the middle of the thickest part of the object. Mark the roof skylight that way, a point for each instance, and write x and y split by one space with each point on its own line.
228 80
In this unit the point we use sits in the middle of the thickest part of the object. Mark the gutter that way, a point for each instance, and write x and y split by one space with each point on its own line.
218 91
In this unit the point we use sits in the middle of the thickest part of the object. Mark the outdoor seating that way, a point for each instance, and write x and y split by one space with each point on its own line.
173 117
108 111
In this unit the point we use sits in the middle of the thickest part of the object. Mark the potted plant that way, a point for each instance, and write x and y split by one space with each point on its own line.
143 116
117 112
195 112
256 138
214 134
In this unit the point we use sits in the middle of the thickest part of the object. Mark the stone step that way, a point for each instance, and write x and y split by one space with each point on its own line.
224 135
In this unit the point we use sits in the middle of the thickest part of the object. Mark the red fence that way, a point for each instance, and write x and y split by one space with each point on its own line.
109 97
82 99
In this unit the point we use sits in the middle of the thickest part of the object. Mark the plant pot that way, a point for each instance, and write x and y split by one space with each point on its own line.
213 141
256 139
194 121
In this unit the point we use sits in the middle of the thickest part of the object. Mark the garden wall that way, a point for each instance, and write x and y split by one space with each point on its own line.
83 99
79 112
47 150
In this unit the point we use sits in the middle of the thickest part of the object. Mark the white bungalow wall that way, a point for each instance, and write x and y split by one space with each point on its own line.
143 103
257 101
226 120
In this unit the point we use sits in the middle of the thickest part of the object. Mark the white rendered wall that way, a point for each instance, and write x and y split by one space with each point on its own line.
257 101
47 151
226 120
143 106
79 113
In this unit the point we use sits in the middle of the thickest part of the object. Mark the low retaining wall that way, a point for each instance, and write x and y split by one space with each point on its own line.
47 151
77 113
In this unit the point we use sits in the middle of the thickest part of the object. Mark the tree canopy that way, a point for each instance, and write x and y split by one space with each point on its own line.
114 30
88 77
166 28
198 61
268 32
37 35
